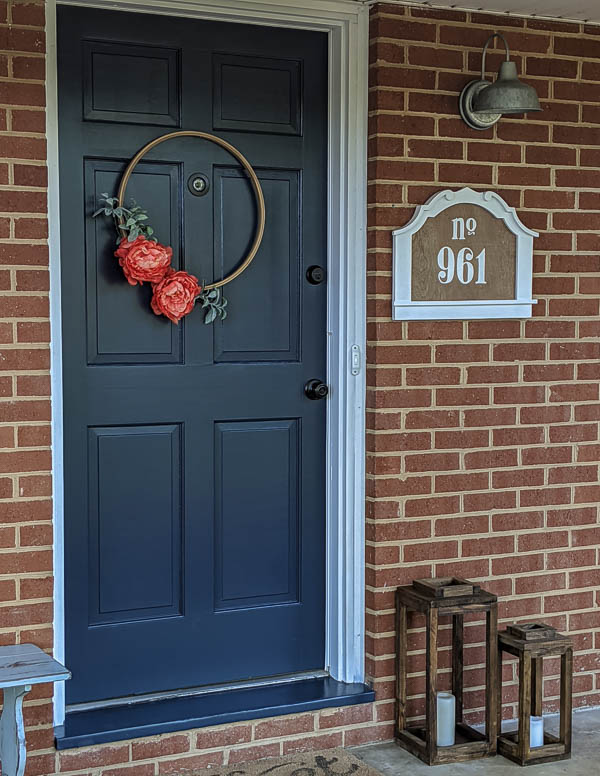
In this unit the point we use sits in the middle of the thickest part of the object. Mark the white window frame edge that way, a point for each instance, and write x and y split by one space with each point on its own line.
405 309
346 22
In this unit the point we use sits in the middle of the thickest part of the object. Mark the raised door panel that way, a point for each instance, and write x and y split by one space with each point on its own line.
135 523
121 327
257 94
131 84
256 513
264 323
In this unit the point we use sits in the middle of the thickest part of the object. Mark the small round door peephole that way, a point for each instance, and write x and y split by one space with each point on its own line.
198 184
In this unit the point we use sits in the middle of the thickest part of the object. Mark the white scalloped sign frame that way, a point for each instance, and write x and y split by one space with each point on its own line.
405 308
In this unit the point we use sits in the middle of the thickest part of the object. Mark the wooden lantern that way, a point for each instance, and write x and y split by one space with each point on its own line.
436 598
531 643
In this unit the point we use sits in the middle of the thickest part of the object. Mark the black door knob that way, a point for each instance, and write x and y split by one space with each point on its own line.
315 274
315 389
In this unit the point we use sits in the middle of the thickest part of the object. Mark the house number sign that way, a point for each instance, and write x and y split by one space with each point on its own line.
463 255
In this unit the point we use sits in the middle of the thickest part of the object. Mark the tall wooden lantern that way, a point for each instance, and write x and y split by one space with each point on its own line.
531 643
436 598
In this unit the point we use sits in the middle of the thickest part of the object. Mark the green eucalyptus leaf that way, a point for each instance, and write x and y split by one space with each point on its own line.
210 316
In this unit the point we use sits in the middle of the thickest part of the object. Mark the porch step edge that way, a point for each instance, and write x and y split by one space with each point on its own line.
135 720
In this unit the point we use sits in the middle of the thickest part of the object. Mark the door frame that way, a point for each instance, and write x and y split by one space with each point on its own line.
346 24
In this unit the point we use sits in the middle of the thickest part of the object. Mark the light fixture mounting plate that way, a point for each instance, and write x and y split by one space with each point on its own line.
480 121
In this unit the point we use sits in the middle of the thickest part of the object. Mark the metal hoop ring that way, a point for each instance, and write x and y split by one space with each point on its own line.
260 200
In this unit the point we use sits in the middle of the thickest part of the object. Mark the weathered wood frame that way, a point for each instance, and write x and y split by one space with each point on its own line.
422 741
515 745
21 667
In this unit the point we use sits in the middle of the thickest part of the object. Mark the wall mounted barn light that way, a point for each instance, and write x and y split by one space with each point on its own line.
483 103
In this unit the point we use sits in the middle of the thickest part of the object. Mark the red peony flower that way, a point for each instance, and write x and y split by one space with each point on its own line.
175 295
143 260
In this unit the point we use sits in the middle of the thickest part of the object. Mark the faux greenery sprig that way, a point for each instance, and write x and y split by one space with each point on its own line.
215 304
128 221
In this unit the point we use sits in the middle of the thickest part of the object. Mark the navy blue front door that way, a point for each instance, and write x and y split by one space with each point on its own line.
194 463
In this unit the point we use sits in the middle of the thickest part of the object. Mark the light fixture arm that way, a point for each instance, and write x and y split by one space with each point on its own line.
485 48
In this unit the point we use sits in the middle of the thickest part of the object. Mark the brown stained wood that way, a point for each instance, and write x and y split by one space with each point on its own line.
550 739
508 746
422 741
515 746
401 667
491 234
445 587
537 686
548 750
515 646
478 602
524 705
413 745
458 641
566 699
499 698
431 682
492 680
461 753
471 750
533 631
469 733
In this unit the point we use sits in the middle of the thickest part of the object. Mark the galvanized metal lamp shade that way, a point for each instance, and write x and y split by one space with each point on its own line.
483 103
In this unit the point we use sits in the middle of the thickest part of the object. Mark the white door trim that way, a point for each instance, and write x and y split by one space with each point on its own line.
346 22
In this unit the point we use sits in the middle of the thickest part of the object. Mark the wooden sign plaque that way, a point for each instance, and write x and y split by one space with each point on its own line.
463 255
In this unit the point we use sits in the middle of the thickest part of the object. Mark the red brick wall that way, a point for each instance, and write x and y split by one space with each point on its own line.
25 458
483 442
483 439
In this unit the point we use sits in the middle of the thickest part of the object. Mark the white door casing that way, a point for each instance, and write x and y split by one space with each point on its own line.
346 23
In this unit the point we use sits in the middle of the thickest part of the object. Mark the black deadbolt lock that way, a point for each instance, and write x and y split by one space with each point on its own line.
315 274
198 184
315 389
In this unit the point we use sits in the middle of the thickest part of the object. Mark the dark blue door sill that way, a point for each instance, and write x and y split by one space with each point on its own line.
99 726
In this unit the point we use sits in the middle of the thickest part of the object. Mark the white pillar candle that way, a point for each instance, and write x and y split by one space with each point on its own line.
536 732
446 718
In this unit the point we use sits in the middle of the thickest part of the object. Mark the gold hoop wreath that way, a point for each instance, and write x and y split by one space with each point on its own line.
144 259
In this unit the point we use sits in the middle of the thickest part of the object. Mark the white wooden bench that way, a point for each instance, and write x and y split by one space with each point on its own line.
20 667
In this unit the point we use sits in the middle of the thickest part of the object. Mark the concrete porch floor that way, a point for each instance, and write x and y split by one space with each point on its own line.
391 760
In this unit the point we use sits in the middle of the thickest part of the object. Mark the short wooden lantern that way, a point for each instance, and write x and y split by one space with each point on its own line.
531 643
436 598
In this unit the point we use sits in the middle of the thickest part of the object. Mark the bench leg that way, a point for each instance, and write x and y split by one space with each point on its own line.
12 731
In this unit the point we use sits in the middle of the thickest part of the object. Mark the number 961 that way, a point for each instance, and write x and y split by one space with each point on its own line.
460 266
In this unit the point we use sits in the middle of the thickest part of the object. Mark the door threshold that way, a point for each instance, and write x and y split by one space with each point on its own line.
190 691
218 707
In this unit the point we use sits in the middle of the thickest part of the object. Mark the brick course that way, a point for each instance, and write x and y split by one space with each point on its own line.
482 441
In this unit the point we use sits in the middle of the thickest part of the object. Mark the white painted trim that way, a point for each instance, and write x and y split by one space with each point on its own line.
403 306
346 22
55 352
